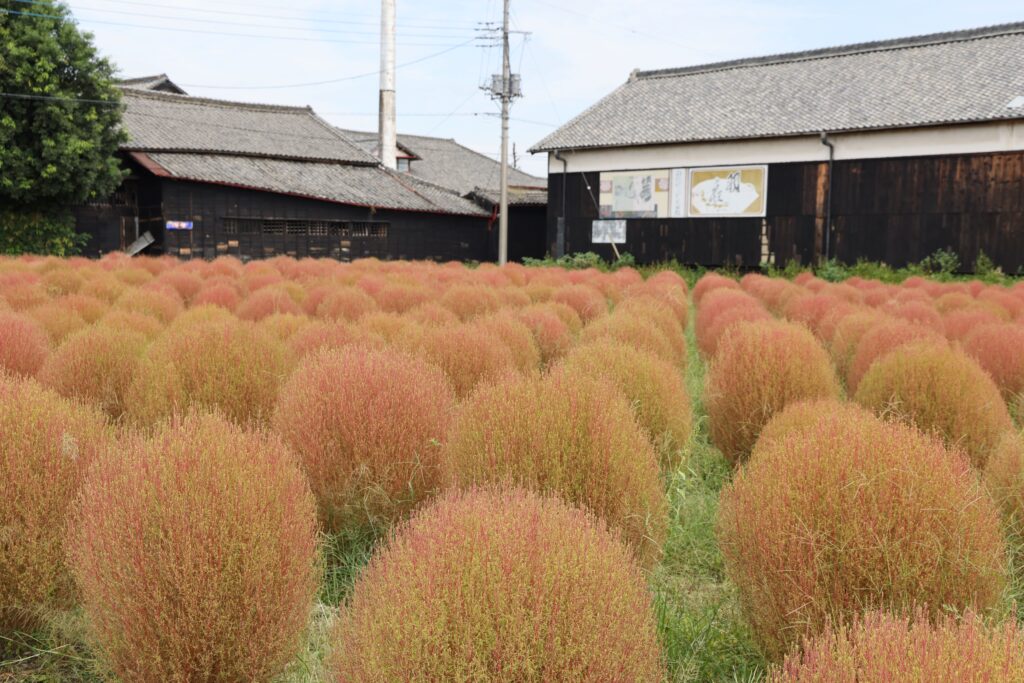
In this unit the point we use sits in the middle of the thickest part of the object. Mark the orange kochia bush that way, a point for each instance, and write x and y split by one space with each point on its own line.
196 554
46 444
569 435
24 344
940 390
884 647
760 368
999 349
838 512
499 585
367 426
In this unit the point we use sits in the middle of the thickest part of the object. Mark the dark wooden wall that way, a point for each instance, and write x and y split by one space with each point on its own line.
897 211
410 235
704 241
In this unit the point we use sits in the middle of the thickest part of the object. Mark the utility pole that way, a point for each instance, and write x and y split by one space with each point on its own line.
506 99
387 126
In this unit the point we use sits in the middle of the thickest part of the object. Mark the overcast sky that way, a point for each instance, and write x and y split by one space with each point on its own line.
576 51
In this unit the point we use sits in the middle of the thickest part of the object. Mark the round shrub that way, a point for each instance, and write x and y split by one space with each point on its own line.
330 335
709 334
848 333
468 354
164 305
146 325
218 294
367 426
881 339
196 554
759 369
588 302
515 335
266 302
346 303
940 390
433 314
500 586
186 284
710 282
96 366
659 314
24 344
89 308
46 444
1004 474
631 329
959 324
552 334
568 435
884 647
847 513
654 388
227 365
999 349
57 320
469 301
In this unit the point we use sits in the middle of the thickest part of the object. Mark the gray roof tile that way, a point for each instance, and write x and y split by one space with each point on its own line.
360 185
960 77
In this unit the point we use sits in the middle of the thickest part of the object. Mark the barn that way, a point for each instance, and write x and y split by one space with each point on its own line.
211 177
885 151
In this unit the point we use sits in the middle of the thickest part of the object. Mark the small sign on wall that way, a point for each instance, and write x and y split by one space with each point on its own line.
179 225
608 232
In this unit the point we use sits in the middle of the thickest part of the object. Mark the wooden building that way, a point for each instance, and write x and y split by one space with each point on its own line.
883 151
210 177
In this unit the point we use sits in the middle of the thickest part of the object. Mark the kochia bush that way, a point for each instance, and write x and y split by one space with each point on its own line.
367 426
224 365
999 349
46 444
759 369
653 386
468 354
1004 474
881 339
567 435
636 331
846 513
883 647
24 344
940 390
500 586
196 554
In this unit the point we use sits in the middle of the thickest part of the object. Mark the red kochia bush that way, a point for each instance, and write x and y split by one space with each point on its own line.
569 435
96 366
24 344
845 513
653 386
634 330
225 365
551 333
883 647
880 340
196 554
759 369
588 302
1004 474
367 426
710 282
346 303
500 586
999 349
468 354
468 301
940 390
46 444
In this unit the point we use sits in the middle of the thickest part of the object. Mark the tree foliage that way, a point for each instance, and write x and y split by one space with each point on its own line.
60 129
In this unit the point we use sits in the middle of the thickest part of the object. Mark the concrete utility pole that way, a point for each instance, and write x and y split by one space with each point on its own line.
387 127
506 99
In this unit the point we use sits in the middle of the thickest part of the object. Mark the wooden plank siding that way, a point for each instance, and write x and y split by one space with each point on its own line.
897 210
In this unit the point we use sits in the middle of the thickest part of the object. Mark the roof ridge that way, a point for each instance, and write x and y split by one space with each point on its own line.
227 104
908 42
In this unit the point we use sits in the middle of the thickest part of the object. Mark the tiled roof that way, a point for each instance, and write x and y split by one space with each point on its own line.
965 76
359 185
517 196
159 82
447 163
158 121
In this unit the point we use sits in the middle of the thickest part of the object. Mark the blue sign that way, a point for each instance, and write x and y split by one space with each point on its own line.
179 225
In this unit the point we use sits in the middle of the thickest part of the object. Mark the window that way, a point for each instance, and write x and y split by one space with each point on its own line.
303 228
403 165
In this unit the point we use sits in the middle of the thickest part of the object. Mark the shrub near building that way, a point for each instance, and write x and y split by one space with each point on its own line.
564 434
838 513
196 554
500 585
760 368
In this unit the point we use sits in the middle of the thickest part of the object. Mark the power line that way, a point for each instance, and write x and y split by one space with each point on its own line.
213 33
311 18
222 22
330 81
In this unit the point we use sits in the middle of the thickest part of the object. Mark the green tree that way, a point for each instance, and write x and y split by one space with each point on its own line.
60 118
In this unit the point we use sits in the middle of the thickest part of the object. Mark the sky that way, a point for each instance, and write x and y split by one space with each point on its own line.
570 53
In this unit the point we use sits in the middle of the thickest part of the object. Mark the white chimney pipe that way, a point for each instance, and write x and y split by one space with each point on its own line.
387 128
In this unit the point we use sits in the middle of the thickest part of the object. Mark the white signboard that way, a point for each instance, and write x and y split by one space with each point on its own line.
608 232
677 193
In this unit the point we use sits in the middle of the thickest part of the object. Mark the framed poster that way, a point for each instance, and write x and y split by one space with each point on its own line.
728 192
635 194
608 232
